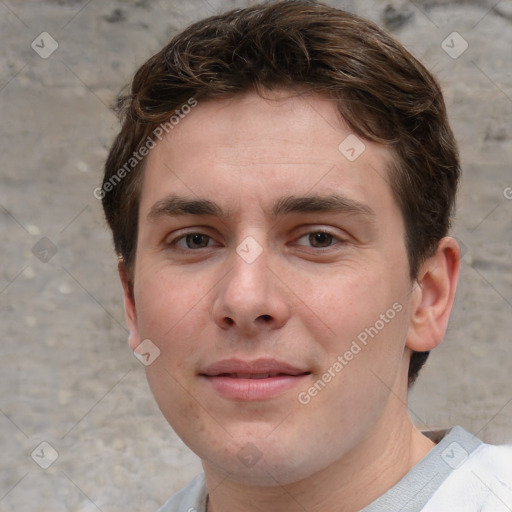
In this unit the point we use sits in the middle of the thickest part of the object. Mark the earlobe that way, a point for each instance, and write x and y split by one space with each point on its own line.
129 305
434 296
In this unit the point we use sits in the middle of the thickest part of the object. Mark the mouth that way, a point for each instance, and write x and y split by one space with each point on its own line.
260 379
255 375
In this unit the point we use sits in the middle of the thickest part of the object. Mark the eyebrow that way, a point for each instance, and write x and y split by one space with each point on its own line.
331 204
334 203
174 206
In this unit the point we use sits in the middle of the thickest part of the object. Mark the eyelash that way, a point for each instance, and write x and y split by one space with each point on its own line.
184 237
335 239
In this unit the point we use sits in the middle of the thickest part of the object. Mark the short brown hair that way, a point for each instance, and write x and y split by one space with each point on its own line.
383 93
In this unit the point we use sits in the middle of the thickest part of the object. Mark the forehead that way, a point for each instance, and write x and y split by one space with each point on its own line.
286 141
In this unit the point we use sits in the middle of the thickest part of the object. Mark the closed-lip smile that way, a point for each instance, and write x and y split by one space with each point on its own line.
258 379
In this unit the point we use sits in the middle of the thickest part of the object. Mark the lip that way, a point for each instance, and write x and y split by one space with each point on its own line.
259 379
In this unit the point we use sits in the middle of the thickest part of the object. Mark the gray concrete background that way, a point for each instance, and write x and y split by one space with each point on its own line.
68 377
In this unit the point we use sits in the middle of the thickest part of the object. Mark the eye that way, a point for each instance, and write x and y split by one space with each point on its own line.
192 241
318 239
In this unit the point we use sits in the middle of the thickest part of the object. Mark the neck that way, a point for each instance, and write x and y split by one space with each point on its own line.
348 485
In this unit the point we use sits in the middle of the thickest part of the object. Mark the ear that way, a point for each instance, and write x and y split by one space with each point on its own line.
433 296
129 305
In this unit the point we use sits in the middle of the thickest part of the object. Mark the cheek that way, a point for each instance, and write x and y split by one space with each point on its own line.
349 302
354 387
360 324
170 312
178 402
167 301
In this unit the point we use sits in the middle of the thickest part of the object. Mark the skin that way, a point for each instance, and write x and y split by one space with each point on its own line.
300 301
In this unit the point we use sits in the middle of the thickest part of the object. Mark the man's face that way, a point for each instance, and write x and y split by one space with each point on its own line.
264 257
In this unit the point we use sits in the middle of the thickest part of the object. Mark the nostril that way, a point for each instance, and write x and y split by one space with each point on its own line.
266 318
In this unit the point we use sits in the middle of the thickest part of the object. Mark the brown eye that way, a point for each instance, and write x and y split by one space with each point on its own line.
196 240
320 239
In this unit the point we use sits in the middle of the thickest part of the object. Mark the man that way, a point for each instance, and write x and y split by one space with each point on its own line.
280 196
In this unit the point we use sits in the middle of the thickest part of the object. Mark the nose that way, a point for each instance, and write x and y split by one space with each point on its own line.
250 298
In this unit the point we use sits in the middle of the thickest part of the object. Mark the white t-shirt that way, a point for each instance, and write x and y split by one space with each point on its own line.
460 474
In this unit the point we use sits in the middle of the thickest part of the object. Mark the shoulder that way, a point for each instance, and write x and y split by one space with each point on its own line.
191 498
493 467
481 481
491 464
497 459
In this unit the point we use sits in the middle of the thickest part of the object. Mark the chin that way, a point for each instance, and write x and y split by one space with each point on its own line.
264 462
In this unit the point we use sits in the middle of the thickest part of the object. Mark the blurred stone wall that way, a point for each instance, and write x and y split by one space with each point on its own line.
73 398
